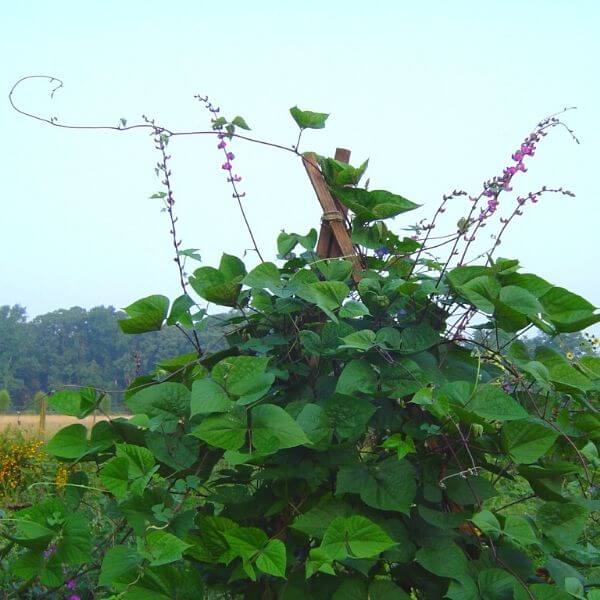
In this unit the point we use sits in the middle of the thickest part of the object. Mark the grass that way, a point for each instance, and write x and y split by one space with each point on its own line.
30 423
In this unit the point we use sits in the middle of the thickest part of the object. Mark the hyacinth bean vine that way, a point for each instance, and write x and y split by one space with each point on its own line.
351 439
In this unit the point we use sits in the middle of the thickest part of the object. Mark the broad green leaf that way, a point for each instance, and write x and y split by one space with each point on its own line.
163 547
387 485
527 440
221 286
226 431
327 295
69 442
518 529
314 522
359 340
481 292
241 123
78 403
209 397
266 275
445 559
416 338
119 566
307 119
353 310
355 536
491 403
115 476
273 428
145 315
272 559
520 300
563 522
286 242
164 402
315 423
348 415
245 541
373 205
383 589
141 460
357 376
567 311
180 311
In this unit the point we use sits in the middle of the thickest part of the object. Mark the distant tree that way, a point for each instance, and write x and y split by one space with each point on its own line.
5 401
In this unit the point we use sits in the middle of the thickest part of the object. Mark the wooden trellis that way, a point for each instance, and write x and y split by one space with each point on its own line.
334 238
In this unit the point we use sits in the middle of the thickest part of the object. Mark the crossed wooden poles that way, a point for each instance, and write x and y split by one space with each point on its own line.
334 238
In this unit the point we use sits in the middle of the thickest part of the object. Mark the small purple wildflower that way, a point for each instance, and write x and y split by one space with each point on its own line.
74 597
381 252
230 156
71 584
221 145
226 166
49 551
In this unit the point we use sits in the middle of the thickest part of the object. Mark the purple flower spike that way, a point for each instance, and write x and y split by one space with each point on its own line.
226 166
221 144
230 156
517 156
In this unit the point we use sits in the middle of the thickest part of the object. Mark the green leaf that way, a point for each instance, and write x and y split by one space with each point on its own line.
383 589
491 403
359 340
145 315
416 338
567 311
315 521
209 397
373 205
526 440
119 566
221 286
315 423
273 428
357 376
75 403
70 442
518 529
272 559
402 446
164 403
163 548
306 119
327 295
563 522
348 415
141 460
115 476
180 311
445 559
286 242
223 431
481 292
241 123
387 485
338 173
355 536
520 300
265 276
353 310
246 541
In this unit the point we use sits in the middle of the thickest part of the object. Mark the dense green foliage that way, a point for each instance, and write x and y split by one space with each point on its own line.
348 443
81 347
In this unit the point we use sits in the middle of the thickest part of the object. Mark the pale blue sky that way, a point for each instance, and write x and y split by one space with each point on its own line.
436 94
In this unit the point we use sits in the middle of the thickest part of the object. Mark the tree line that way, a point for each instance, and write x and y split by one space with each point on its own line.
76 346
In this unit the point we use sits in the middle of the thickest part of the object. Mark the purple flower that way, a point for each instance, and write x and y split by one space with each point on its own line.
521 167
381 252
49 551
521 201
489 192
236 178
230 156
534 198
226 166
71 584
517 156
74 597
528 149
510 170
221 145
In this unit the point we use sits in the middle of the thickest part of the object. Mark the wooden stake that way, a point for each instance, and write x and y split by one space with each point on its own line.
333 217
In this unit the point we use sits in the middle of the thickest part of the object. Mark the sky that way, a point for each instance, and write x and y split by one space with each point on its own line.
436 94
